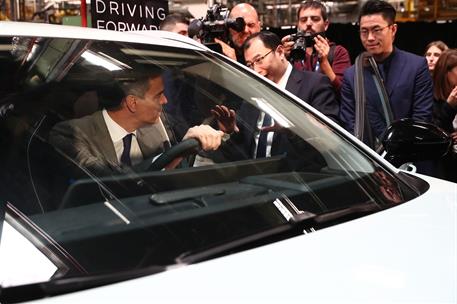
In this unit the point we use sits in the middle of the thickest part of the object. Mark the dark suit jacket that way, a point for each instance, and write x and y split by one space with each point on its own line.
315 89
409 87
87 141
444 115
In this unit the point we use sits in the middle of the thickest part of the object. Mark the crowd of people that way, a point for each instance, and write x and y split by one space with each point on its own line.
395 84
386 82
423 88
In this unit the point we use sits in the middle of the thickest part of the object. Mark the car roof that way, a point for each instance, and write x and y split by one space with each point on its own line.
11 28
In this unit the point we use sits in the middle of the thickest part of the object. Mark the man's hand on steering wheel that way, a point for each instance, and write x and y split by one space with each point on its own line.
209 138
203 136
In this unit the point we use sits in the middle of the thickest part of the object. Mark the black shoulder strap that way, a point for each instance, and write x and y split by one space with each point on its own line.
379 82
359 94
362 128
331 54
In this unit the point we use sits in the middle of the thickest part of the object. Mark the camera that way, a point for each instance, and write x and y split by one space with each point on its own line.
215 25
302 40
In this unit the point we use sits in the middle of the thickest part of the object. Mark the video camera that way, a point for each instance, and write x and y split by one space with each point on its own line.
215 25
302 41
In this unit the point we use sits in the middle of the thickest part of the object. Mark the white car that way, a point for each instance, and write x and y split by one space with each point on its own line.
321 219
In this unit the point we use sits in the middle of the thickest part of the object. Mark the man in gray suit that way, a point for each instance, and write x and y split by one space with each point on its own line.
127 132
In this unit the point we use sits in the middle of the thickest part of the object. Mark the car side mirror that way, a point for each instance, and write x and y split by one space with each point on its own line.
407 140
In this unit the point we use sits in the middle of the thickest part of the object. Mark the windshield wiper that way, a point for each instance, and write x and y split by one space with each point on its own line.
302 222
66 285
193 257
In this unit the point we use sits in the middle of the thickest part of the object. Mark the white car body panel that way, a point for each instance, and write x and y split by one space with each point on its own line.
400 255
10 28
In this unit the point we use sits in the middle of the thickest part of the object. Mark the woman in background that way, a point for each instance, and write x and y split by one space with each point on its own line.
433 52
445 105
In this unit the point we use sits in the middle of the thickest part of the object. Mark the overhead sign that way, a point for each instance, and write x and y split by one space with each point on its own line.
128 15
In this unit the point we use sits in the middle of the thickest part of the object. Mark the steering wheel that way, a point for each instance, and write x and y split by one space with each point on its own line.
183 149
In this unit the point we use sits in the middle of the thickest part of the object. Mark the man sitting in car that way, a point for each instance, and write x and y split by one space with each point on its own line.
127 132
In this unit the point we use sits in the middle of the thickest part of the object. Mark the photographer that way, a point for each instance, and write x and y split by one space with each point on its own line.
175 23
320 54
219 26
233 48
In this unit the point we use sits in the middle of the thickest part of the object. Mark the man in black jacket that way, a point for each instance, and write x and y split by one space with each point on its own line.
258 136
264 53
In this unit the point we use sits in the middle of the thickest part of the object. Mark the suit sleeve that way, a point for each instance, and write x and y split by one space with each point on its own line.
423 94
323 98
70 141
347 107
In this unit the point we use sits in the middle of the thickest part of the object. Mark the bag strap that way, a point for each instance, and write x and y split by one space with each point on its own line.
362 128
331 54
359 94
379 82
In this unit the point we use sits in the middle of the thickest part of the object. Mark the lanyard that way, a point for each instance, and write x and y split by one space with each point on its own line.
316 69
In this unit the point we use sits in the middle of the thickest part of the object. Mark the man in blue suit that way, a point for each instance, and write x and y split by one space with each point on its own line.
405 76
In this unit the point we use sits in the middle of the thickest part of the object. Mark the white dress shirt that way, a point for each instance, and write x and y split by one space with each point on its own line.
283 81
117 133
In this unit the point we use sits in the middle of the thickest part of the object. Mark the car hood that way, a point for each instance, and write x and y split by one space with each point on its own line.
404 254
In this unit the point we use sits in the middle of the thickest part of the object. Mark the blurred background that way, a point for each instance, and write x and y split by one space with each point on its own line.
421 21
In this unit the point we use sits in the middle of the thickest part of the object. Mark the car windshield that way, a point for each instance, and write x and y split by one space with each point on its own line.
66 190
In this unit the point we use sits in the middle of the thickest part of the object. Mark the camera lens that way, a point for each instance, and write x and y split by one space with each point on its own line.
298 51
309 40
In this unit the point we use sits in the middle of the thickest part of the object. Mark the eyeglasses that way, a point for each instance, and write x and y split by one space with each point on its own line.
257 61
376 31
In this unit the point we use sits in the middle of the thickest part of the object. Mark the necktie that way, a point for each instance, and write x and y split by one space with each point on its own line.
262 145
125 157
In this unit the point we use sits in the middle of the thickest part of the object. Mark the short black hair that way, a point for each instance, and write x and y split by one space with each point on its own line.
373 7
124 83
171 20
315 5
269 39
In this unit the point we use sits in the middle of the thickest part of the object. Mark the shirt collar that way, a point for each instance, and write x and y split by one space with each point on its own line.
283 81
116 132
388 58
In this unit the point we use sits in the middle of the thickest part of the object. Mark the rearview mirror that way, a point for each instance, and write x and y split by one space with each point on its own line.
407 140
